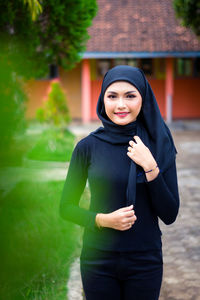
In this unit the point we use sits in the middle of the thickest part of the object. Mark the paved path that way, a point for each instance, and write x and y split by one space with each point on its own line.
181 240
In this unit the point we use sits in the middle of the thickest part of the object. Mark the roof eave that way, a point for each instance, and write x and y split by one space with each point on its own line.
140 54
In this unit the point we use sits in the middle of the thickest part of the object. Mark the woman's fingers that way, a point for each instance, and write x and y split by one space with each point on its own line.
136 142
129 223
137 139
131 143
127 208
130 149
131 219
130 154
129 213
123 218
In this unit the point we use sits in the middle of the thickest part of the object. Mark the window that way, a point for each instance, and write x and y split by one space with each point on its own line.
125 61
146 64
53 71
159 68
184 67
197 67
103 65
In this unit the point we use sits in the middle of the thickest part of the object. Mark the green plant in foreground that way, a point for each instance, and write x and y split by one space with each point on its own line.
36 244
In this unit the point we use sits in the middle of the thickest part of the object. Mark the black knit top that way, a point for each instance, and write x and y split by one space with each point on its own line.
106 166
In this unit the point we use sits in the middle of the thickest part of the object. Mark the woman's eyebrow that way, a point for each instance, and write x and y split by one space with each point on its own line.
129 92
112 92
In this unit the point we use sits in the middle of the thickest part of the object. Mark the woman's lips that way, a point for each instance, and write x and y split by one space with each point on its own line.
122 114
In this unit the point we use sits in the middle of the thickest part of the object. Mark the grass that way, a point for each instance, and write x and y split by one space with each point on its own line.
36 244
53 145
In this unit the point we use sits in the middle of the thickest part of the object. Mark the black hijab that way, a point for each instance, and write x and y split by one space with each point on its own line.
149 126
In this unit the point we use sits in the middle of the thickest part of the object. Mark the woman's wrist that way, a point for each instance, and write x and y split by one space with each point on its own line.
149 165
151 170
152 173
100 220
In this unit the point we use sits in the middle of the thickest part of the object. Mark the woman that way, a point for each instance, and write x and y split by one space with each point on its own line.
130 166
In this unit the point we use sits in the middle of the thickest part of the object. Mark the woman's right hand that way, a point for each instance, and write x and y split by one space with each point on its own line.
120 219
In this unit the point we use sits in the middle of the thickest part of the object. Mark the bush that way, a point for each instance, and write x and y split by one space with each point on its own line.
55 110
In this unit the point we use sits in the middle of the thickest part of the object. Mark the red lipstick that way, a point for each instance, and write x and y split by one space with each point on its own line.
122 114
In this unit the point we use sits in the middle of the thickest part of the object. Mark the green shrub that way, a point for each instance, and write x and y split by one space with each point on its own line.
55 110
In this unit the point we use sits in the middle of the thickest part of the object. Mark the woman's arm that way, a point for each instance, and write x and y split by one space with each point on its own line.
164 195
73 188
163 188
122 219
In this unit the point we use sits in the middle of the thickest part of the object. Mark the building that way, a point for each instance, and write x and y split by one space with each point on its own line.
137 33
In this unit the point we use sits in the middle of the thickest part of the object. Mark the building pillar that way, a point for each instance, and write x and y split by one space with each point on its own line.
85 91
169 89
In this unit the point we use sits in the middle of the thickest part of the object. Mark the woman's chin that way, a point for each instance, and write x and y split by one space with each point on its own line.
124 121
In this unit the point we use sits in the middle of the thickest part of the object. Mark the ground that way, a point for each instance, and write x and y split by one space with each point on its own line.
181 239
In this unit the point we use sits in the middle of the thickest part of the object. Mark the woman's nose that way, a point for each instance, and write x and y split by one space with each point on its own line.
121 103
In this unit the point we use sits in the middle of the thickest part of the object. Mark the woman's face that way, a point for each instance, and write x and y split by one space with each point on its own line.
122 102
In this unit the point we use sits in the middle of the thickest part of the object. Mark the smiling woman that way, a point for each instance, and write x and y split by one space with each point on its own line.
122 102
131 170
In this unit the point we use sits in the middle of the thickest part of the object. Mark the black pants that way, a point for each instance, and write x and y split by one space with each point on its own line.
119 275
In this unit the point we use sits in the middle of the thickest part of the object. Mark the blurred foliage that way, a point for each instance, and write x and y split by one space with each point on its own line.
53 145
36 244
58 36
189 13
56 143
12 106
34 7
55 109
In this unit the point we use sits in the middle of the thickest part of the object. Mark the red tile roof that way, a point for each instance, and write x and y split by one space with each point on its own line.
139 26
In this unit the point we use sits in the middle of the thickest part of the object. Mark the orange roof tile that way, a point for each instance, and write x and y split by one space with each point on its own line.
139 26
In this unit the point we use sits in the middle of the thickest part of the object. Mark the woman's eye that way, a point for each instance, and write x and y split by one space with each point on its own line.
130 96
112 96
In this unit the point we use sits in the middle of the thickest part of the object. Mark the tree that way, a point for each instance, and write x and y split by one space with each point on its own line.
34 34
189 12
58 35
34 7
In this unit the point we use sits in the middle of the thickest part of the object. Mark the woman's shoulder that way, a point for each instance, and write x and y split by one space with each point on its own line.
85 144
86 141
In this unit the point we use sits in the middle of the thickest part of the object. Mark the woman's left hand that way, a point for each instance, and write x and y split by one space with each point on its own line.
142 156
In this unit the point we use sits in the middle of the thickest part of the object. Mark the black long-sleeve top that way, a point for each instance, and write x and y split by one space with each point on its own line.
106 166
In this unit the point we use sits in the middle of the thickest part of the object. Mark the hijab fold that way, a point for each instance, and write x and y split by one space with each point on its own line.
149 126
